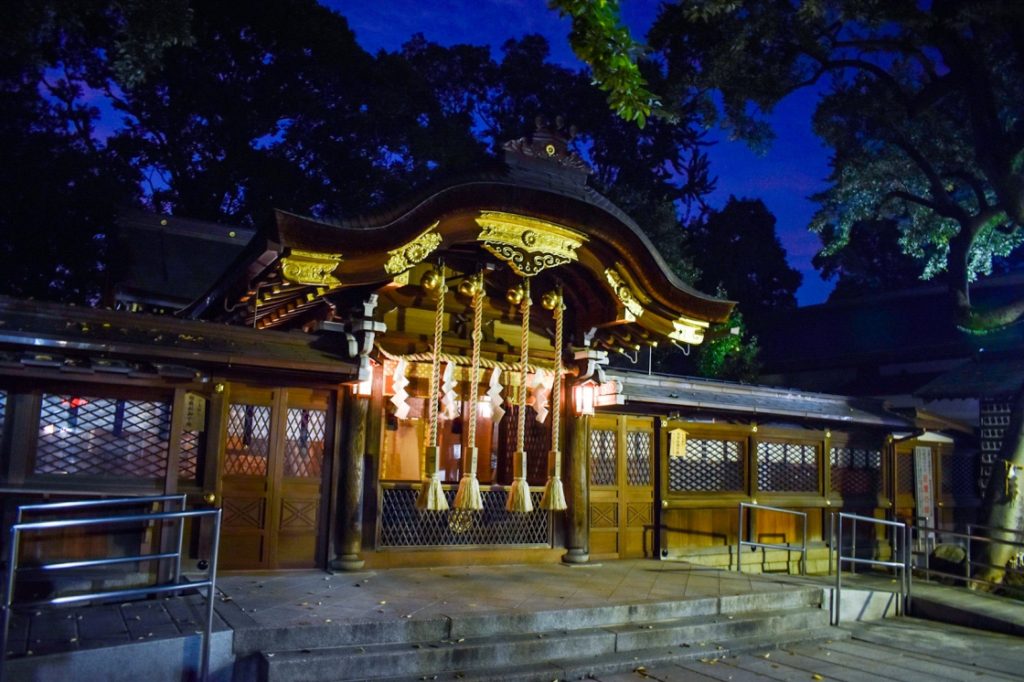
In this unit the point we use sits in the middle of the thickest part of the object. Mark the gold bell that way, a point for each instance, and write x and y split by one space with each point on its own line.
550 300
468 288
431 280
515 295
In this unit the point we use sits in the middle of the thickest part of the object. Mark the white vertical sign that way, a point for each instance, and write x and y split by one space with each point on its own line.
924 487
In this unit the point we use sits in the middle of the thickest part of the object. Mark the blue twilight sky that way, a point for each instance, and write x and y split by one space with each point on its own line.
794 168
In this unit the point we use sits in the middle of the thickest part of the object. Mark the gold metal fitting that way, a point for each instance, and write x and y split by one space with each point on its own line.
218 388
431 281
472 286
550 300
515 295
209 498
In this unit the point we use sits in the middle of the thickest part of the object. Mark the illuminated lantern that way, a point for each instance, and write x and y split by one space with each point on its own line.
584 396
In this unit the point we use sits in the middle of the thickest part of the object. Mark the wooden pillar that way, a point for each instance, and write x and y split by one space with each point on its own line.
578 516
352 475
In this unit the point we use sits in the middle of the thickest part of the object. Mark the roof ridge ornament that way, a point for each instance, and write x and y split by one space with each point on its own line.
550 144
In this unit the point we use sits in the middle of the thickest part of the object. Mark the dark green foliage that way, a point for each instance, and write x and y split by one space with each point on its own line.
739 255
870 263
921 104
600 40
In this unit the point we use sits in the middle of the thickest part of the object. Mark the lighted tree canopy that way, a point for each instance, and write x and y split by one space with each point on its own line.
921 106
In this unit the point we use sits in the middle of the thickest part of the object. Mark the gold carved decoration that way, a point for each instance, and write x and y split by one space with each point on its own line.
404 257
624 292
528 245
688 330
311 267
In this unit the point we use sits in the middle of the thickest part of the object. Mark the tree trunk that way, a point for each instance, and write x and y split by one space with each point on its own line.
1004 498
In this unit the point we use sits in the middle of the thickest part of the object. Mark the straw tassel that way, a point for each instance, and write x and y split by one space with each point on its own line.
554 493
468 495
431 495
519 494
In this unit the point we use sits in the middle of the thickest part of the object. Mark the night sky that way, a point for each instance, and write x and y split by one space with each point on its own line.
793 169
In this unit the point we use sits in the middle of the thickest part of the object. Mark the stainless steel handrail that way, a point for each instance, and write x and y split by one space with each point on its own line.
901 540
210 583
180 498
995 529
969 562
787 546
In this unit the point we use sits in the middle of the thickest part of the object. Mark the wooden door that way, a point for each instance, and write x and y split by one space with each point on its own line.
298 494
621 453
274 445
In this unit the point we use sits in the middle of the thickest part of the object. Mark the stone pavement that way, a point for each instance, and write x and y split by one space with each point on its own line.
312 597
905 649
310 600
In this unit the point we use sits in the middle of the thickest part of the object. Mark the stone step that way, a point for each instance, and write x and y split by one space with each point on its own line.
254 640
636 663
613 646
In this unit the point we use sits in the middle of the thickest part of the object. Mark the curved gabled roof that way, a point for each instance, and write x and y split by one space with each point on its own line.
535 205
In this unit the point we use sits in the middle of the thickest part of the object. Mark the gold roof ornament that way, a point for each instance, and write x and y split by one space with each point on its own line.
624 292
688 330
528 245
404 257
311 268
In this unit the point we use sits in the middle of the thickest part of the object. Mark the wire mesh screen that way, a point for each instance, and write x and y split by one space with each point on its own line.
304 442
787 467
188 458
403 525
602 457
90 436
904 474
638 458
709 466
247 447
856 471
958 474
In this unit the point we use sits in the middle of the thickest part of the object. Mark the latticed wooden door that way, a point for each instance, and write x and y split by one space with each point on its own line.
273 454
621 453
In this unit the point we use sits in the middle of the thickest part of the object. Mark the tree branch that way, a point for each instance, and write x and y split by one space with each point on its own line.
943 205
976 186
912 198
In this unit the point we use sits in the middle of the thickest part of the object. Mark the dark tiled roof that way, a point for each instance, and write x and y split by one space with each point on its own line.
66 332
171 260
985 376
906 326
742 399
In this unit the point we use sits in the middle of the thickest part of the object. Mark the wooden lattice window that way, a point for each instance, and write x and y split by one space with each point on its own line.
787 467
304 445
856 471
638 458
602 457
709 465
248 440
98 436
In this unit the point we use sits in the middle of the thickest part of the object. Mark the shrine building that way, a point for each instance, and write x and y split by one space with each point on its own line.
429 385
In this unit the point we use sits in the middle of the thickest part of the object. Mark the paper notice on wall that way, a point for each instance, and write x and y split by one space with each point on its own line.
195 412
676 443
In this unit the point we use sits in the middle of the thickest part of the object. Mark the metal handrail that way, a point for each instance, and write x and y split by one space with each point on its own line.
210 583
900 536
969 562
995 529
765 545
181 499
